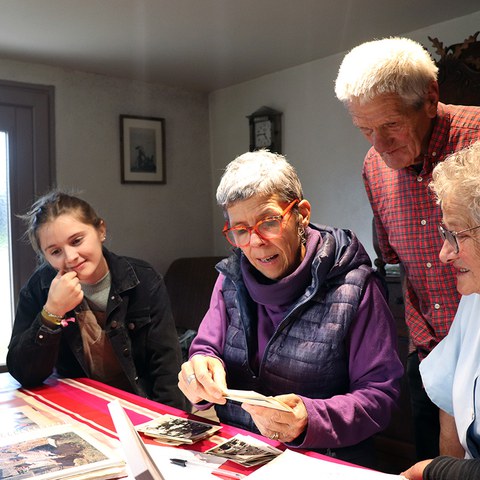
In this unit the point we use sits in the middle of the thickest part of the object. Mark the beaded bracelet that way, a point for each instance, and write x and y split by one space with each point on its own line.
51 317
57 320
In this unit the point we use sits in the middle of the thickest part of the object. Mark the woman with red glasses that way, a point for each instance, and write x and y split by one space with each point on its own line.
296 313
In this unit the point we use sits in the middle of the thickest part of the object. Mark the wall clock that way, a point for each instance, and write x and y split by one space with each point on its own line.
265 129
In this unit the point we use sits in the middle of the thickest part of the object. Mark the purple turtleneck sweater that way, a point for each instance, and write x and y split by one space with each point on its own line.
374 367
275 298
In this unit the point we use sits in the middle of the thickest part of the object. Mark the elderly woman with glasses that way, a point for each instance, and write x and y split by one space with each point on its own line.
296 313
451 371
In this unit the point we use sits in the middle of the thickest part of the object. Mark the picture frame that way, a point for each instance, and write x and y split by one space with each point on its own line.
142 146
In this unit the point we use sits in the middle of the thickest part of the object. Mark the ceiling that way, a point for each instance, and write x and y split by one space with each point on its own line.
204 45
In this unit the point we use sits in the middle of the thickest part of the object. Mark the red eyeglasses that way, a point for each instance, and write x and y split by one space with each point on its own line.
270 227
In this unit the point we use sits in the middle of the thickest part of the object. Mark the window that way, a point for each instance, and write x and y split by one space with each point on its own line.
26 172
6 291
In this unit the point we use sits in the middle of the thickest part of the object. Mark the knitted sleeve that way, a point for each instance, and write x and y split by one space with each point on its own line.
449 468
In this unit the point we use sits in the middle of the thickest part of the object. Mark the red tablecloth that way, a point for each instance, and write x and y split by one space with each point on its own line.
86 401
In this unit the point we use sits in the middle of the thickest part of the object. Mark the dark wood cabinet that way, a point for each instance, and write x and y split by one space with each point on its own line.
395 446
459 71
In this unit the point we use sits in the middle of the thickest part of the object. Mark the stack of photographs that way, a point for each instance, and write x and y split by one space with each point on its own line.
172 430
22 419
245 450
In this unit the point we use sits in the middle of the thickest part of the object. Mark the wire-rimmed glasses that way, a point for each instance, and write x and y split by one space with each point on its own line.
452 237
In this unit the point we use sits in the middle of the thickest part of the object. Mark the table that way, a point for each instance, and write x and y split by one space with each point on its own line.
86 401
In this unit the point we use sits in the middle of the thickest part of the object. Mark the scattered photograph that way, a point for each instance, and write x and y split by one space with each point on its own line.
245 450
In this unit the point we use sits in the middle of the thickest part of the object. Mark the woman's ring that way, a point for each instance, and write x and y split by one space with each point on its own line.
191 378
274 436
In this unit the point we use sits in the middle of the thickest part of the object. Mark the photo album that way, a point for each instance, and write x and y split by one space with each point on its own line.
35 444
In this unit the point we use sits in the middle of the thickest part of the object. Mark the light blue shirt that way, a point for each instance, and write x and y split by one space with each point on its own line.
450 373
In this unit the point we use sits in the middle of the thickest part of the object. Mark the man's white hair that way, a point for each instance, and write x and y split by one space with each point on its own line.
391 65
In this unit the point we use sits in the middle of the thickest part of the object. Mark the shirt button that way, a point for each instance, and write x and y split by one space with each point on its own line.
429 265
131 326
419 179
113 324
40 337
423 222
434 154
112 297
437 306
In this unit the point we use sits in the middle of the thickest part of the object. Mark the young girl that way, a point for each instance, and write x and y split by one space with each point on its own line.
88 312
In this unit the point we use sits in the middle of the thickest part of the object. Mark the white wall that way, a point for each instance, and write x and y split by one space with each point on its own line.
157 223
163 222
318 137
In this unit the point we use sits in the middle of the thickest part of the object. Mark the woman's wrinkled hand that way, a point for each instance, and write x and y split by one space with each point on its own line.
65 293
277 424
416 472
203 378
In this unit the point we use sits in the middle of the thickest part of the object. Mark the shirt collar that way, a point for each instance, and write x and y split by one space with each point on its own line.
438 139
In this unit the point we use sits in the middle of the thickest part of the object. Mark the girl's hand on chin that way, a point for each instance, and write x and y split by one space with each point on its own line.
65 293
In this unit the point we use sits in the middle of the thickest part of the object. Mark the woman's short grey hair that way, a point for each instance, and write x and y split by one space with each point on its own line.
391 65
458 178
259 173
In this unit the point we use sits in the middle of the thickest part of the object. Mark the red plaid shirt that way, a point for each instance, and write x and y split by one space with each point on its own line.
406 219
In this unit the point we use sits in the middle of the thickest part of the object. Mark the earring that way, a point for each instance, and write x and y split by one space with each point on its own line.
301 234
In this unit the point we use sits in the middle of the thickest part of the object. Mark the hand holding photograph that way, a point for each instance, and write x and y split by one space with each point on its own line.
254 398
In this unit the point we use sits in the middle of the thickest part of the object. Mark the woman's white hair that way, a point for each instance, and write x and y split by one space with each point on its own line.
458 178
259 173
391 65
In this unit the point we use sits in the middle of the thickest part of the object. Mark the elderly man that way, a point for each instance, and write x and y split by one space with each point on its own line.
390 89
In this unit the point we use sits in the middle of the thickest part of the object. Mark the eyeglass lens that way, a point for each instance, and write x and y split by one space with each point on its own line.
449 237
269 228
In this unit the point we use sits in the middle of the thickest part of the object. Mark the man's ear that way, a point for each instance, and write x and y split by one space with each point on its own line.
431 99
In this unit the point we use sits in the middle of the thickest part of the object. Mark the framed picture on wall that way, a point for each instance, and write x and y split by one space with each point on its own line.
142 145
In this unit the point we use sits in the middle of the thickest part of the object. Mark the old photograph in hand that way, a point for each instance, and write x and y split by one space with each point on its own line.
254 398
